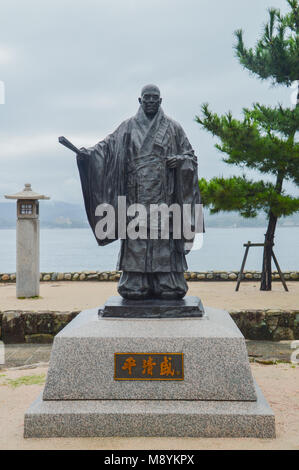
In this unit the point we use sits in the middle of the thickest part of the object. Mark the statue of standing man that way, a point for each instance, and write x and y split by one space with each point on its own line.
149 160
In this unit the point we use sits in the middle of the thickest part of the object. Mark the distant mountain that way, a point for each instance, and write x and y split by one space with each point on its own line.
54 214
57 214
224 219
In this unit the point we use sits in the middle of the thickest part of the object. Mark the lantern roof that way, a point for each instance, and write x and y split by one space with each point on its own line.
26 193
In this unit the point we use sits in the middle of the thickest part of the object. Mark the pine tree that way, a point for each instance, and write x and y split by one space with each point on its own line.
265 138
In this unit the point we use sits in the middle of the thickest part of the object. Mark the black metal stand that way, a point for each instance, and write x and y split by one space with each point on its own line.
248 245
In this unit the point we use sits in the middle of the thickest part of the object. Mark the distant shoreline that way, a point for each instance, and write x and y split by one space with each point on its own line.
62 215
86 227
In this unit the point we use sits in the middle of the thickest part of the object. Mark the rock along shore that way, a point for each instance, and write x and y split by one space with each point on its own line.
189 275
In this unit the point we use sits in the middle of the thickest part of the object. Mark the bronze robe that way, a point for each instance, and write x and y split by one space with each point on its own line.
131 162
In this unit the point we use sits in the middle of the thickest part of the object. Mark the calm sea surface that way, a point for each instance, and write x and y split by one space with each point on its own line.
76 249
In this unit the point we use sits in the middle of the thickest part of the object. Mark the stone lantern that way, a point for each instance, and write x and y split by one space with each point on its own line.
27 270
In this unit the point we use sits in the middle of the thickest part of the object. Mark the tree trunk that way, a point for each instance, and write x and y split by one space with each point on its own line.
266 280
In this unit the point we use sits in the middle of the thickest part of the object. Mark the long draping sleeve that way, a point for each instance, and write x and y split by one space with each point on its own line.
102 179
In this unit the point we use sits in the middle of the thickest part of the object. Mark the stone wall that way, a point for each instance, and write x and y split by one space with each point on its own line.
189 275
271 325
18 326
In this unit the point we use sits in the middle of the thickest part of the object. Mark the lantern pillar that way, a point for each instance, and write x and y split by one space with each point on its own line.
27 269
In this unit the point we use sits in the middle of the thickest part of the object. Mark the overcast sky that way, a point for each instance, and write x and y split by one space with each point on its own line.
75 68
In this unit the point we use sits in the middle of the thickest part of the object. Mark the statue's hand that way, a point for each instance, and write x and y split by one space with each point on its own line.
174 161
83 152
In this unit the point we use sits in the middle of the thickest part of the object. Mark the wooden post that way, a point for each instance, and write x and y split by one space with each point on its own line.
279 272
248 245
243 265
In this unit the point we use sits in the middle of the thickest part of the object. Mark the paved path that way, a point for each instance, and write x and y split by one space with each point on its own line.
23 355
18 355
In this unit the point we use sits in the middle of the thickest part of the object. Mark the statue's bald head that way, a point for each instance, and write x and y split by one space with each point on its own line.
150 89
150 100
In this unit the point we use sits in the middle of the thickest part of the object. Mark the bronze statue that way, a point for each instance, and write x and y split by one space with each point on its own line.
149 160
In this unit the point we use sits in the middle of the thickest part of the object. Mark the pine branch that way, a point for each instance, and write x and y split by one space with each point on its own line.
254 142
237 194
276 54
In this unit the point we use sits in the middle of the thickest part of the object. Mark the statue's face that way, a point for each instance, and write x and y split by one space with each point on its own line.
150 101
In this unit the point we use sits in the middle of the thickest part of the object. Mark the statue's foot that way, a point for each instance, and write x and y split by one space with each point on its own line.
171 295
135 296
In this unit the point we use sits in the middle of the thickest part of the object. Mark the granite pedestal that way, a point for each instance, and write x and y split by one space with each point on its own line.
216 398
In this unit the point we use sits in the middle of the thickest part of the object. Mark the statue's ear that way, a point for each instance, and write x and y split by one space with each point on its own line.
139 99
160 100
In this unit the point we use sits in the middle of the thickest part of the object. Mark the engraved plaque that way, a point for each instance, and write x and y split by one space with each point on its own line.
148 366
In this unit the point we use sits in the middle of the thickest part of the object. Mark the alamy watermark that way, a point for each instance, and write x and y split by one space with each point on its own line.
2 353
156 221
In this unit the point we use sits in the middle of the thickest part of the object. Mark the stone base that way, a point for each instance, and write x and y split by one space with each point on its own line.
117 307
217 396
160 418
216 365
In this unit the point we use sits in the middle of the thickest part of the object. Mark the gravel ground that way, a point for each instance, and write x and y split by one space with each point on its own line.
72 295
279 383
